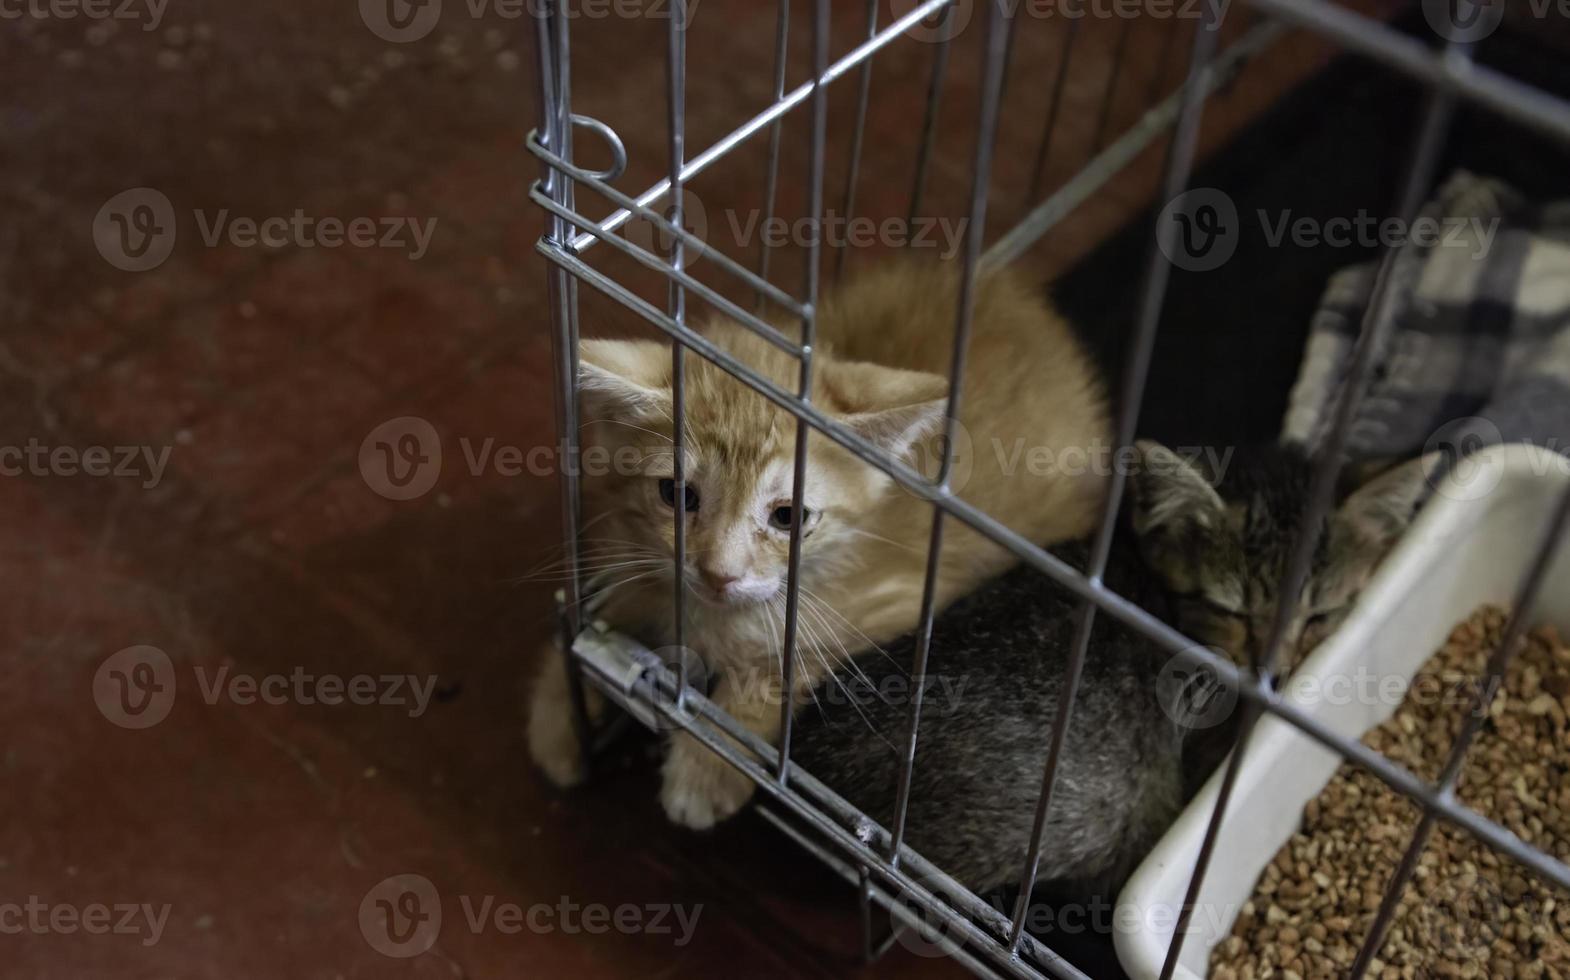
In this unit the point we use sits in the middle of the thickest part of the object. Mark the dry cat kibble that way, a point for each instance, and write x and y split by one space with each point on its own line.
1466 912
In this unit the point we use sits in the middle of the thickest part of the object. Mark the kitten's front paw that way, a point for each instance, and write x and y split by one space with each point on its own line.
701 789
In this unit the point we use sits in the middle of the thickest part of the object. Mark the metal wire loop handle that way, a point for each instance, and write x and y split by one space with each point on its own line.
605 132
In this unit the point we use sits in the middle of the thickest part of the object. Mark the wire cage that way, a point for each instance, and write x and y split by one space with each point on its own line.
888 872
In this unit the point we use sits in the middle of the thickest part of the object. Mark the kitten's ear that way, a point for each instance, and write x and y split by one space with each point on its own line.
1379 511
890 407
624 378
1170 494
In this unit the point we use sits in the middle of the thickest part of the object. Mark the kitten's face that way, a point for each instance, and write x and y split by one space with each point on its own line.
739 459
1222 547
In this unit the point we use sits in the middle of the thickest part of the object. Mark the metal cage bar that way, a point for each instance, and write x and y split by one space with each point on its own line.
1158 270
858 131
556 132
1110 602
809 324
676 105
1059 81
929 118
885 868
797 96
776 132
1376 325
999 23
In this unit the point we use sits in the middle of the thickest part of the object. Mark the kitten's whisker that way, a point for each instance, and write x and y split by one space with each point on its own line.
657 435
599 590
589 571
820 650
598 558
592 546
849 662
879 537
779 651
823 603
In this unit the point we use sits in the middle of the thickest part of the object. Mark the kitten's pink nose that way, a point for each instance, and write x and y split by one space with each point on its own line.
718 581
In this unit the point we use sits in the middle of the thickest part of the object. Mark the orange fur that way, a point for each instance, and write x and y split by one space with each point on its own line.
883 351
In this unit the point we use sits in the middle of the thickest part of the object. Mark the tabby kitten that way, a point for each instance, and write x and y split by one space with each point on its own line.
1221 542
883 342
1140 739
994 680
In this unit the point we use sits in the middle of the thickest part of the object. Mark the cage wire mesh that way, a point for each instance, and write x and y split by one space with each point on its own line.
888 872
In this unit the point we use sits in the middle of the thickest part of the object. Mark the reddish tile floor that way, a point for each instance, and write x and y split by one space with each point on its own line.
260 550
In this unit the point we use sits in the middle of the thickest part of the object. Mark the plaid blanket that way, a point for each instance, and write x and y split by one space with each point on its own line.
1480 350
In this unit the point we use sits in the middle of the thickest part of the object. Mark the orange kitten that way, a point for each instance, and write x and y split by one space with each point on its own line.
1035 415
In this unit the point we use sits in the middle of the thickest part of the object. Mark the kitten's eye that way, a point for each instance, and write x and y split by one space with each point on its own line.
668 494
1217 609
1318 625
780 517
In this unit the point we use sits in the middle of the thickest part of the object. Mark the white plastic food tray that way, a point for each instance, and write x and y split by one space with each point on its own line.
1471 545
